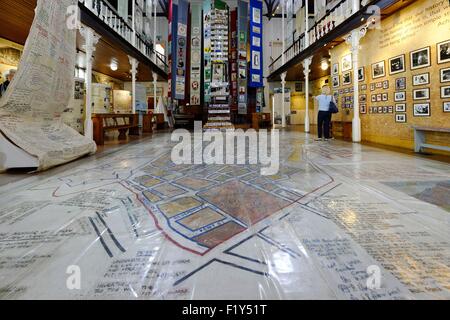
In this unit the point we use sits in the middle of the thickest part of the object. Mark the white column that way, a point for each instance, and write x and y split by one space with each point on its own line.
283 86
155 82
90 41
133 21
356 6
307 24
154 33
306 71
353 40
283 38
134 65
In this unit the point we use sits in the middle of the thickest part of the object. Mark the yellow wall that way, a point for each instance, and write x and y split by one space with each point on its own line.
423 23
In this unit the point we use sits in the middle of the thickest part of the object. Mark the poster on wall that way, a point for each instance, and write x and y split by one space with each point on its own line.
196 53
242 56
181 47
207 49
30 111
256 70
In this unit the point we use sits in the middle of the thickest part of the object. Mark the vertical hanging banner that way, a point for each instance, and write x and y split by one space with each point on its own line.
242 56
207 8
196 53
256 52
174 49
170 51
233 59
181 47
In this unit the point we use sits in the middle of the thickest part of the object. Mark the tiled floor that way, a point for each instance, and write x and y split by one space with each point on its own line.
339 221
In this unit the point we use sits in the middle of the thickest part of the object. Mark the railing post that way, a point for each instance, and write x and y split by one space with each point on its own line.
283 86
306 70
90 41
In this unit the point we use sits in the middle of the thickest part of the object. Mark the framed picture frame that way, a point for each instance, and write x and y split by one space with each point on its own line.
397 64
400 84
445 92
400 96
421 94
372 87
335 69
385 109
390 109
361 74
335 81
378 70
347 78
347 63
363 98
386 84
380 110
421 109
363 87
400 107
363 109
373 98
400 118
443 52
446 106
379 85
379 97
385 97
420 58
445 75
421 79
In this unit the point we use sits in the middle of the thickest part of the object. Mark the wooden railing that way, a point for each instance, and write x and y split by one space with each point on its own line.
108 14
333 17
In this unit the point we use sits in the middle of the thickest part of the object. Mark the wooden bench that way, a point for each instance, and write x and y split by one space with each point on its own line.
419 139
261 120
111 122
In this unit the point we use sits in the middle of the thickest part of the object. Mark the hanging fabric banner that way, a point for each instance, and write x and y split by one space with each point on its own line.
170 51
207 49
174 49
31 109
242 56
196 53
233 59
256 58
181 47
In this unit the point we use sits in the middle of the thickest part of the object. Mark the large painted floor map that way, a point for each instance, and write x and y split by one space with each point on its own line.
133 225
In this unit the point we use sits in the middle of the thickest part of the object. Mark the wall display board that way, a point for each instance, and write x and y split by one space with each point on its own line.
207 49
30 111
196 53
256 50
73 114
122 101
170 51
101 98
181 47
405 74
242 56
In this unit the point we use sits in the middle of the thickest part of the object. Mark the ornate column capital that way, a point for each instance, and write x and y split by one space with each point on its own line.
283 78
90 37
134 66
306 65
155 77
354 37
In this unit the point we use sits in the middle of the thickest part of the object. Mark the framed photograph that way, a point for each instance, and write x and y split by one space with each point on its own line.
390 109
379 97
446 106
420 58
363 87
372 87
363 109
421 79
386 84
361 74
379 85
400 107
336 68
400 84
378 70
400 118
299 87
380 110
385 109
374 98
347 78
346 90
421 109
443 51
385 97
363 98
400 96
397 64
335 81
347 62
445 75
445 92
421 94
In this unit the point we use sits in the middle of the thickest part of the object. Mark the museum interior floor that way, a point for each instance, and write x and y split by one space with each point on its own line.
339 221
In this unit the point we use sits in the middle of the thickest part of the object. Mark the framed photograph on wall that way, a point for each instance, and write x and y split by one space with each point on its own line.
378 70
379 97
347 78
445 75
420 58
374 98
386 84
400 96
363 109
400 107
361 74
421 79
335 81
400 84
363 98
445 92
390 109
422 109
347 62
446 106
385 97
397 64
372 87
363 87
421 94
336 68
400 118
379 85
443 51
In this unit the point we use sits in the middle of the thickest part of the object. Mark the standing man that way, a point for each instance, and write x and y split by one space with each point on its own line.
5 84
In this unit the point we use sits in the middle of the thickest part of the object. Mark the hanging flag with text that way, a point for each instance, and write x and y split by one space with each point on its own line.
256 52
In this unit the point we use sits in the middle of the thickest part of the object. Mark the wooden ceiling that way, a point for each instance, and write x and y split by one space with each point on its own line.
16 17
